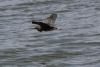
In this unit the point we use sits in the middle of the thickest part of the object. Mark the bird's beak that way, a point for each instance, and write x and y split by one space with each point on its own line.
31 28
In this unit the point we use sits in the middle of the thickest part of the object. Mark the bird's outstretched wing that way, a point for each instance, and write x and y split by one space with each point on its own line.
41 24
51 20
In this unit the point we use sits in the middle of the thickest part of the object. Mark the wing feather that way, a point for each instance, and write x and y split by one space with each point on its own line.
51 20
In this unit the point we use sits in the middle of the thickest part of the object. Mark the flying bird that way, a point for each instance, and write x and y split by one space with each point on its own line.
48 24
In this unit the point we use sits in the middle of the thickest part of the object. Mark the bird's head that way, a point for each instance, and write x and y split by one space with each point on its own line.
38 28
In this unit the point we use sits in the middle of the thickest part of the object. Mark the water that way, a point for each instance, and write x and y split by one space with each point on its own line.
77 45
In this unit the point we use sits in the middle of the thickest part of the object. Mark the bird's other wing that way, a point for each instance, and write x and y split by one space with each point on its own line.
48 20
51 20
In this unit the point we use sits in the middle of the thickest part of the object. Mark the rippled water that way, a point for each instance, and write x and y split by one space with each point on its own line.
77 45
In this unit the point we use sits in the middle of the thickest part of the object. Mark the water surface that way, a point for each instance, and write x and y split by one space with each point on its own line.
77 45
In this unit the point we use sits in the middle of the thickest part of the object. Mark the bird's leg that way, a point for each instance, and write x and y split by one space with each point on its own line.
58 28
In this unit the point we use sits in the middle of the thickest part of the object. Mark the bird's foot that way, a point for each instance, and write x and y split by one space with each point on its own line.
59 29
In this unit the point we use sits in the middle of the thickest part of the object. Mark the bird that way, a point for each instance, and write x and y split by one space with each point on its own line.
48 24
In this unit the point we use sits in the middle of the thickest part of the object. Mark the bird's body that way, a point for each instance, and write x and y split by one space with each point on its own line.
43 26
46 26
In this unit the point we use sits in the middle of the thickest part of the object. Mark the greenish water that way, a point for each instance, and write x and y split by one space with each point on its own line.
77 45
